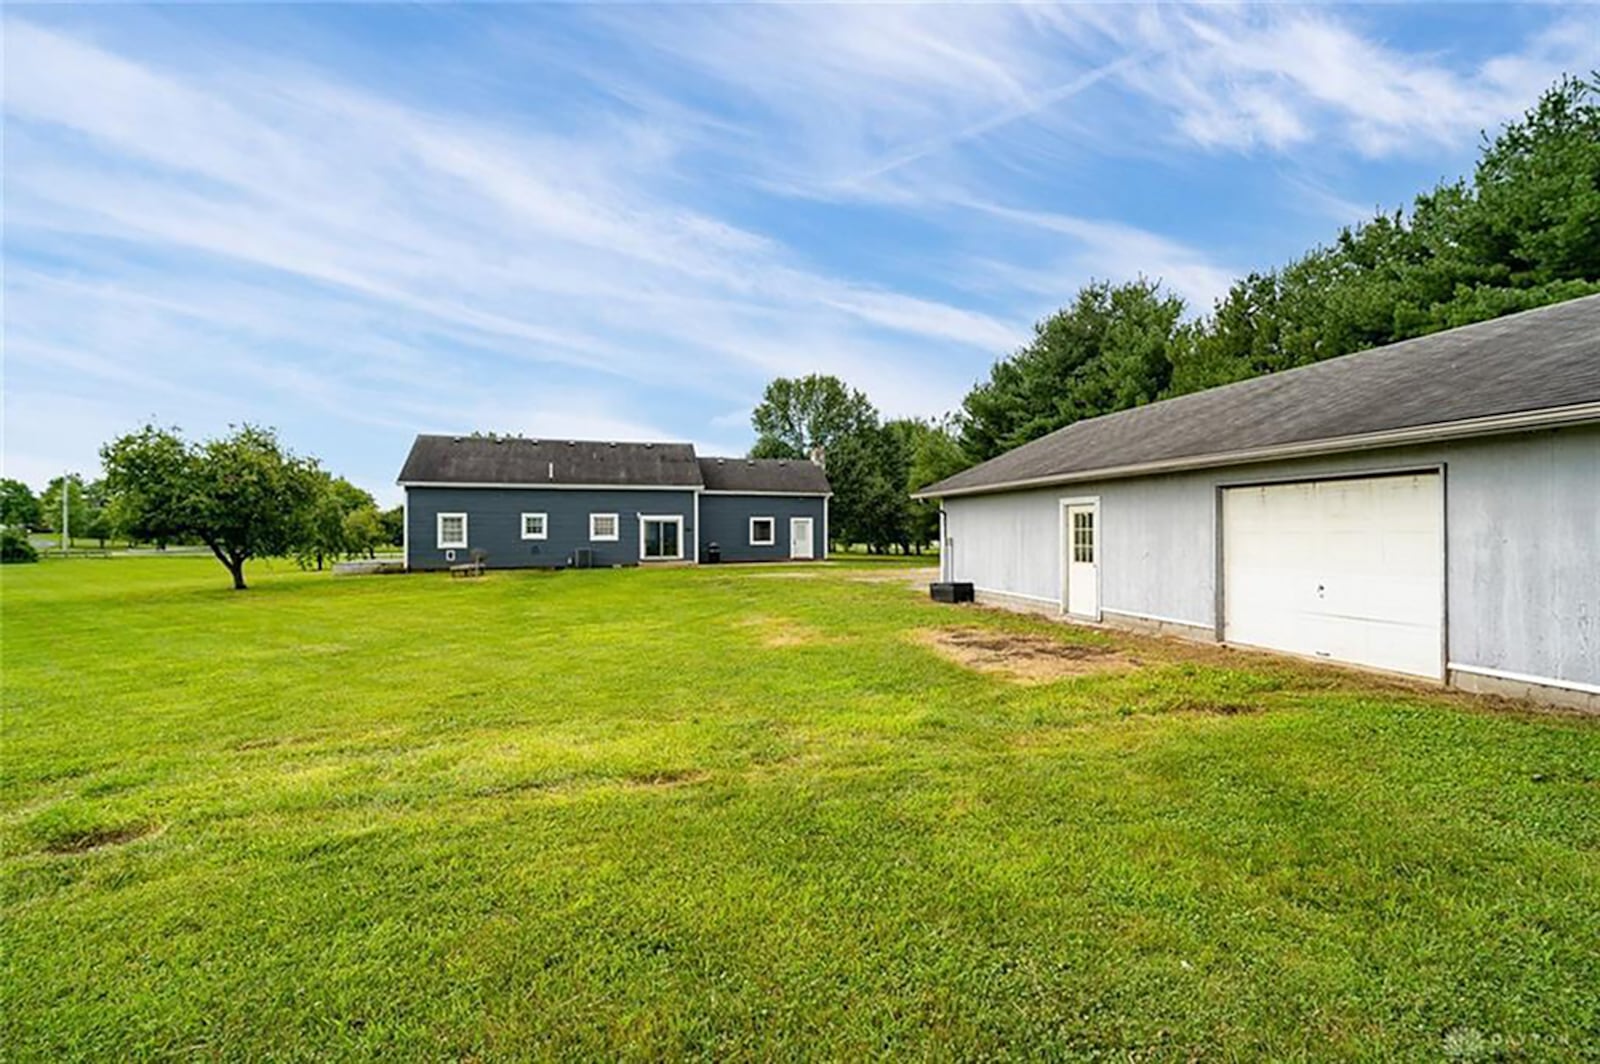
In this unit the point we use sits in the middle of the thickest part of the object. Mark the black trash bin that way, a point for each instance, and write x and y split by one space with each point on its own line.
713 554
951 592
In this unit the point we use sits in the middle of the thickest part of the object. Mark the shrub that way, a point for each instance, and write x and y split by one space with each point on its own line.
14 547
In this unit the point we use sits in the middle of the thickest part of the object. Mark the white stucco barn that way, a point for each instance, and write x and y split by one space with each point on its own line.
1429 508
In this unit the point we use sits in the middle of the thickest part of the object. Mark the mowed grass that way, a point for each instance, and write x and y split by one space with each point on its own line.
733 813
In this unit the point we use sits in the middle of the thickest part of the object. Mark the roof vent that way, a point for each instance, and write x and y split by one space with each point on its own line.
455 439
572 443
750 461
613 443
648 446
722 461
783 461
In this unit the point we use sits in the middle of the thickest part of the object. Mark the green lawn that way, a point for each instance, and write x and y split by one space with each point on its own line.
728 813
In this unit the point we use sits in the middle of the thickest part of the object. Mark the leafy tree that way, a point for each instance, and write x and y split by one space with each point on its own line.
77 505
19 507
1111 349
797 417
242 495
1538 189
935 454
326 535
98 516
821 415
148 483
1525 232
394 526
869 498
363 532
921 453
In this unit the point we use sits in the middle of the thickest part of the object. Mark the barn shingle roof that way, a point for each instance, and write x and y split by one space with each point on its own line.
1538 360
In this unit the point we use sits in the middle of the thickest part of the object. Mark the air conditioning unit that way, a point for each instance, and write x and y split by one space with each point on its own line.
583 558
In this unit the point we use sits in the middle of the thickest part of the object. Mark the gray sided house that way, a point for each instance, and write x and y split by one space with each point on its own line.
522 503
1429 508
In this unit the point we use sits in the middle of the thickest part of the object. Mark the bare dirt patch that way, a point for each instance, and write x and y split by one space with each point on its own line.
667 778
571 786
1023 658
95 838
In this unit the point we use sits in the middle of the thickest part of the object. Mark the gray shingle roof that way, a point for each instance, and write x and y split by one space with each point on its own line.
481 460
1537 360
511 460
798 476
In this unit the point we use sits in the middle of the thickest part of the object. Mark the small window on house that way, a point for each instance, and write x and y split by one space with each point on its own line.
533 526
1083 536
452 530
603 527
763 531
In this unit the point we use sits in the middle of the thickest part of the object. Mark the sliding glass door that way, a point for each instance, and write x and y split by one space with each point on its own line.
660 538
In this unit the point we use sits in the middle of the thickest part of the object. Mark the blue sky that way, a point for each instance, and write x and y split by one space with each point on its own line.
358 223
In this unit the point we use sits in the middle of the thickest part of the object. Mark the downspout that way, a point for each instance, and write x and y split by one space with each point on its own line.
945 573
405 530
826 542
696 530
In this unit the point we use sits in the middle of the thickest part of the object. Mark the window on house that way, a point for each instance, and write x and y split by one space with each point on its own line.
763 531
533 526
1083 536
603 527
452 530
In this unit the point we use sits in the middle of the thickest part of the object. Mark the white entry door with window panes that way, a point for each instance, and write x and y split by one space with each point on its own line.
1081 597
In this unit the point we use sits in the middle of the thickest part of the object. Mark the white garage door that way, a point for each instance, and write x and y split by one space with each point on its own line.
1349 570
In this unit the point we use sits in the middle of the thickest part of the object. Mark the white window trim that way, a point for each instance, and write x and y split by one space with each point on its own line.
544 526
676 519
616 525
771 540
444 544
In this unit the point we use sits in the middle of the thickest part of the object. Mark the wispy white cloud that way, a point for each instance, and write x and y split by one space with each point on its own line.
505 248
1109 252
636 228
1276 78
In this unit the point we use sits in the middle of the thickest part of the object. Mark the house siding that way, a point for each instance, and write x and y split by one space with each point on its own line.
494 524
725 521
1522 539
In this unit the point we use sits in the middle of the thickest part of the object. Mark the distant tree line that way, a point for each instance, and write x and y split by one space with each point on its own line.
1523 232
242 495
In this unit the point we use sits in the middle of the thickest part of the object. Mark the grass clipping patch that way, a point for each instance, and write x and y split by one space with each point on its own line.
1021 658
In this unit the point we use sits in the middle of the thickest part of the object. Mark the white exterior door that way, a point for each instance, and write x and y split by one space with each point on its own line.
800 545
1081 561
1348 570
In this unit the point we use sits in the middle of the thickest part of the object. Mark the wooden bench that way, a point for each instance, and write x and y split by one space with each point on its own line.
473 568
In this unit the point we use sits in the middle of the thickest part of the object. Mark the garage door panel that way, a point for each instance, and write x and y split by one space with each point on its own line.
1349 570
